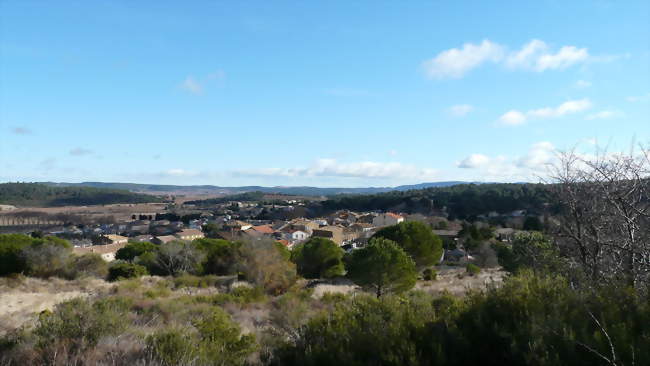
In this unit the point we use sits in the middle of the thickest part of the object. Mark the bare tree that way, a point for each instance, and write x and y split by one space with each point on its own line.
604 221
178 257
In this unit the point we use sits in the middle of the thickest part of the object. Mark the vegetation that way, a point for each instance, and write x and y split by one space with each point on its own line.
318 258
416 239
383 267
41 195
463 201
121 271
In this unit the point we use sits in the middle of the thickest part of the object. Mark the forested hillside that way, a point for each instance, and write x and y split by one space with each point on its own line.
462 201
35 194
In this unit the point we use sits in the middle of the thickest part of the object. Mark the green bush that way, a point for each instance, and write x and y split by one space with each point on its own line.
43 257
79 323
88 265
472 269
429 274
172 347
188 280
241 295
133 250
120 271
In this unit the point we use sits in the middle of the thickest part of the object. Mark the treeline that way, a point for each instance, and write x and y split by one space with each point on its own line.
41 195
461 201
246 196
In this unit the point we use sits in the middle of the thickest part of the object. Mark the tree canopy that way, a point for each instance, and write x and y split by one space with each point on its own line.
318 258
383 267
416 239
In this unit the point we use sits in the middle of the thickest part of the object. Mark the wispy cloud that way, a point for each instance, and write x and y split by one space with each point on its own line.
197 86
192 86
473 161
460 110
604 115
456 62
22 131
639 98
178 173
80 152
334 168
536 55
516 118
582 84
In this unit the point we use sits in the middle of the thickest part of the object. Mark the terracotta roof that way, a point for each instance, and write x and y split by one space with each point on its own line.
284 242
264 229
394 215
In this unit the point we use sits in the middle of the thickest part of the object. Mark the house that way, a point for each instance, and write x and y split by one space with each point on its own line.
263 229
189 234
334 233
117 239
387 219
141 238
107 252
163 239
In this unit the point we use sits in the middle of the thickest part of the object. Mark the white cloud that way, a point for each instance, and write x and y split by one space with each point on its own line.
333 168
528 55
178 173
192 86
567 56
460 110
517 118
604 115
568 107
639 98
513 118
473 161
454 63
517 168
392 152
540 154
582 84
535 55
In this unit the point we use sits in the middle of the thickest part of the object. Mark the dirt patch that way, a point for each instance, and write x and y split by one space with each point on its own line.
22 299
457 281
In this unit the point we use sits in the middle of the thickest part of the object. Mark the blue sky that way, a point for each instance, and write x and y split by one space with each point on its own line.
336 93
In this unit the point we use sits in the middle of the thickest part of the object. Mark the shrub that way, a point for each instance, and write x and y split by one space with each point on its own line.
263 265
188 280
172 347
429 274
133 250
46 260
178 257
123 270
472 269
241 295
79 323
222 256
88 265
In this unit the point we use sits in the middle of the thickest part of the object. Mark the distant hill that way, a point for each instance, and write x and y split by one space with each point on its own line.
42 195
210 189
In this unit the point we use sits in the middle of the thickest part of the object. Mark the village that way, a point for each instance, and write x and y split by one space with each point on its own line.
283 221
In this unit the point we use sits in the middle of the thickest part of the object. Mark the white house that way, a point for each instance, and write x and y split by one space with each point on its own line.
387 219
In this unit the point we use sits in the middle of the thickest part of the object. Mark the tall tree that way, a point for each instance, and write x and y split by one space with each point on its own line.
383 267
416 239
319 258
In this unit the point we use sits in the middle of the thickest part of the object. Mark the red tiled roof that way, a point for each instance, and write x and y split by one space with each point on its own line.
264 229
